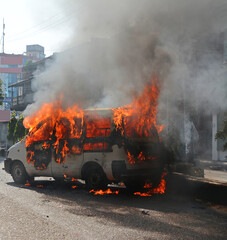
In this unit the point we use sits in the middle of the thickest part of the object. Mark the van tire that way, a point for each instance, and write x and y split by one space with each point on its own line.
95 178
19 173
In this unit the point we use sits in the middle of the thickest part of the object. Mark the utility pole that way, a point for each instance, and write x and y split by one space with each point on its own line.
3 36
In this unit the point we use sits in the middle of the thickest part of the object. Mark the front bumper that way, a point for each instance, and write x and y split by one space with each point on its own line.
7 165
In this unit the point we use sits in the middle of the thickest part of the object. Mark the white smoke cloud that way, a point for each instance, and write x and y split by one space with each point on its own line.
117 45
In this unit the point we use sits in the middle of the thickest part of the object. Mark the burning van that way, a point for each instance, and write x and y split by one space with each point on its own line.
100 146
94 149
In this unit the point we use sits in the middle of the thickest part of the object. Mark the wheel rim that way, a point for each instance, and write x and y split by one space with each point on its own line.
95 179
18 172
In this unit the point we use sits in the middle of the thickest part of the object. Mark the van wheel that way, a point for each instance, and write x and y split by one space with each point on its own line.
18 173
95 178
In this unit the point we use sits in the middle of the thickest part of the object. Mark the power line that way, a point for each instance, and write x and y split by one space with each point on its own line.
38 25
45 28
3 37
46 25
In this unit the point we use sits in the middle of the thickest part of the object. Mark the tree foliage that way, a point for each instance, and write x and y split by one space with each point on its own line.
11 126
20 130
222 134
16 129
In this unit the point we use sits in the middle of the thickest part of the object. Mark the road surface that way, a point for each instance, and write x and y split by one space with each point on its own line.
49 211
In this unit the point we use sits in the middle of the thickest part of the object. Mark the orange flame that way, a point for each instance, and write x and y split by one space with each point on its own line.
30 156
131 158
98 127
75 150
160 189
101 192
148 185
64 130
72 179
56 126
51 117
46 145
139 118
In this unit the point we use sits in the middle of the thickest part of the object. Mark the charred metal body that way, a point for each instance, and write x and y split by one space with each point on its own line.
99 154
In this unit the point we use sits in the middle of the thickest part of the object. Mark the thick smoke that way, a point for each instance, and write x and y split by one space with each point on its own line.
118 45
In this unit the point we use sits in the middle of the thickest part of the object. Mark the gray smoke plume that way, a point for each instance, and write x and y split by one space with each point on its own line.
118 45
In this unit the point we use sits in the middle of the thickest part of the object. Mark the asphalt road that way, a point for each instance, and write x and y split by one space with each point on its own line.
49 211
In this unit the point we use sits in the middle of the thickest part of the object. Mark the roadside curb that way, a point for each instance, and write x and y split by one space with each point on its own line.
213 165
196 187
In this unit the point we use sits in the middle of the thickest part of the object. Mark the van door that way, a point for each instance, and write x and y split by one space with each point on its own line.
67 159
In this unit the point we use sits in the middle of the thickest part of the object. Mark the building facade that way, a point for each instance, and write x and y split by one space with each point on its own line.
4 120
21 91
210 56
11 69
218 153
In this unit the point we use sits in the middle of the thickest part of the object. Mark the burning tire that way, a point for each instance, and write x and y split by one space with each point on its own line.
95 178
19 173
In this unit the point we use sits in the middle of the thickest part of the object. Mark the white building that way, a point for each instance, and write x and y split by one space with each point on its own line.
218 154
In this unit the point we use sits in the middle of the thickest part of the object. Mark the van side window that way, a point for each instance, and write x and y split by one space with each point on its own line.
98 127
98 132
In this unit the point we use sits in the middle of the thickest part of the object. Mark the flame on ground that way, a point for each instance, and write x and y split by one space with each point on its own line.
101 192
72 179
160 189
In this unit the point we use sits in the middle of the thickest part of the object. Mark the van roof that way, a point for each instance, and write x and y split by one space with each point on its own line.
99 111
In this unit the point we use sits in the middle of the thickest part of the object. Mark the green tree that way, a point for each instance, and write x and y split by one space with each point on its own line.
1 92
222 134
20 130
11 127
